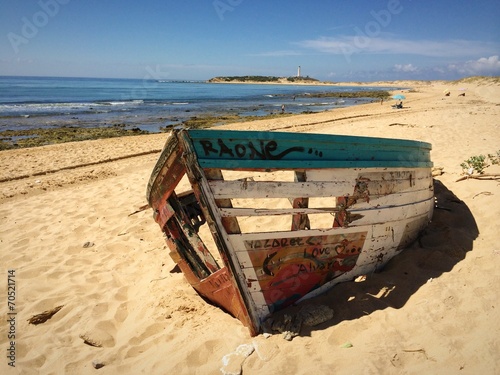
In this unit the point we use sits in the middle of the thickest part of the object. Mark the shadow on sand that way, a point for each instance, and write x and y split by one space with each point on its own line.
439 248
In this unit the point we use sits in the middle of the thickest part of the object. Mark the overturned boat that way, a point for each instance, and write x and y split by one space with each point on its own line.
258 221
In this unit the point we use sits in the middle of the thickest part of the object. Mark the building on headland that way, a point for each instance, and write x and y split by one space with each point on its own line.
298 72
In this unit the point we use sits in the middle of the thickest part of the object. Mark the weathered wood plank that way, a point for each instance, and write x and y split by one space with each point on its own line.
386 211
236 239
373 174
375 201
391 200
376 234
268 189
167 174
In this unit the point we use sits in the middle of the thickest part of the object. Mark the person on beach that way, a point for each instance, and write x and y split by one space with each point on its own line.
282 108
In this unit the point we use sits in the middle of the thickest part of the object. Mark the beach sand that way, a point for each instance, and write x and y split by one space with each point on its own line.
68 236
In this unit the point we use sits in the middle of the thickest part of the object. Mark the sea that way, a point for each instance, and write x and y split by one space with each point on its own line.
151 105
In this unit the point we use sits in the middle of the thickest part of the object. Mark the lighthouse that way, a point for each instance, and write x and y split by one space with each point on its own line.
298 72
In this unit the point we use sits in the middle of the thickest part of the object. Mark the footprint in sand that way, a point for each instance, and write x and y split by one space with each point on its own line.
152 335
121 313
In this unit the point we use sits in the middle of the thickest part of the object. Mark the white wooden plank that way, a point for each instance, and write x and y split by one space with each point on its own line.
231 212
393 214
375 201
387 212
237 239
424 212
271 189
397 199
348 174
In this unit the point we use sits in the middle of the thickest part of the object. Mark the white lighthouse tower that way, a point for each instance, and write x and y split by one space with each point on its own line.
298 72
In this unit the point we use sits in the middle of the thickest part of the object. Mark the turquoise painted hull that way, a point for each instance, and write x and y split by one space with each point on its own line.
278 150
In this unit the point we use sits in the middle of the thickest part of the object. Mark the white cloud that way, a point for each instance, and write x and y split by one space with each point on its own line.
389 45
483 66
277 53
407 68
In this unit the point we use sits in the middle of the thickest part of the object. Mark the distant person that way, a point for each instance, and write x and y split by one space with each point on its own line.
282 108
398 105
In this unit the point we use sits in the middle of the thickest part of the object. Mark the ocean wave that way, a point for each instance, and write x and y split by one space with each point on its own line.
33 108
118 102
111 103
60 107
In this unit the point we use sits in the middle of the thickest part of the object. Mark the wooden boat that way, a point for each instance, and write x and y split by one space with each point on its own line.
312 210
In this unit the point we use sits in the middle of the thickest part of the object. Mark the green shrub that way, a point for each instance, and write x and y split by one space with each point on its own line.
495 159
474 164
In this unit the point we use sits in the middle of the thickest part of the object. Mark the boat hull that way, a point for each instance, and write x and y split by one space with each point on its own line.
309 212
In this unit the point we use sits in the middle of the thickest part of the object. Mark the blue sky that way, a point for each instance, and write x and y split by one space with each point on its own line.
364 40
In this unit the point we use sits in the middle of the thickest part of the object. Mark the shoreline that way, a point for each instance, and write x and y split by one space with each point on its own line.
74 232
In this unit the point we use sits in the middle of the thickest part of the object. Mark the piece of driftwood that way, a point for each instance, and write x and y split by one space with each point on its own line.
484 176
140 209
437 171
43 317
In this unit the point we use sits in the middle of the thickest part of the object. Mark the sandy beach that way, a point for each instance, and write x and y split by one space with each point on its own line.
73 235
